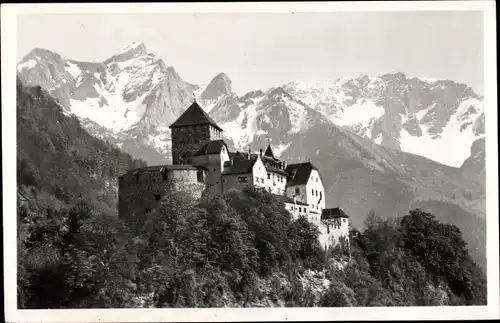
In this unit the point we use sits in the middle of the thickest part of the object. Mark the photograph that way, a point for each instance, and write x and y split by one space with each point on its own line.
252 161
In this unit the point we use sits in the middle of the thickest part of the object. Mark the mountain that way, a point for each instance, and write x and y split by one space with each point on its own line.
415 115
56 156
360 176
129 99
377 141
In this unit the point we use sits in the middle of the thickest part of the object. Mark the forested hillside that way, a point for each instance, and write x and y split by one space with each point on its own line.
56 156
239 250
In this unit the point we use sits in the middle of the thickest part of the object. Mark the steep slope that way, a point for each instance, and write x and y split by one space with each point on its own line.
55 155
129 99
416 115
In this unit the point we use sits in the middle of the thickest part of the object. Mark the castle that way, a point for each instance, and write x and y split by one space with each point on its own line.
203 163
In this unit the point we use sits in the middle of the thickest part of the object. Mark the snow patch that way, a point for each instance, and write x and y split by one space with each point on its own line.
362 112
27 65
73 69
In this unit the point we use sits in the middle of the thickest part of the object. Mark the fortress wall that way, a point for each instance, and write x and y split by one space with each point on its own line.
142 193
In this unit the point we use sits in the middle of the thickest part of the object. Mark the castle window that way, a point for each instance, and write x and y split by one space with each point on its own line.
268 176
199 176
300 209
157 197
321 194
312 192
297 191
147 210
164 174
242 179
343 220
328 228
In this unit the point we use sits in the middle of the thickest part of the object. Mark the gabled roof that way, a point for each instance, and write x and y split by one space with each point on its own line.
333 213
211 148
269 152
299 173
270 168
240 166
194 115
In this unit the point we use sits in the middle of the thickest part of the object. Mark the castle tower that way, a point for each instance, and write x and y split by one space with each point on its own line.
193 129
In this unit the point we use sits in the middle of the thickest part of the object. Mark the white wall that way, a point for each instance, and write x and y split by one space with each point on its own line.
259 174
296 210
335 228
314 192
302 196
276 183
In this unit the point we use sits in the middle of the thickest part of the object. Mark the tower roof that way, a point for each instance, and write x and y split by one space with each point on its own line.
194 115
269 152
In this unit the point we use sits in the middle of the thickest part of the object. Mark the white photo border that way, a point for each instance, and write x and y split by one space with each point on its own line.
8 74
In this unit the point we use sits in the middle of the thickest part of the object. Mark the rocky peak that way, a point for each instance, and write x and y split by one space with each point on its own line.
252 95
279 92
219 86
172 73
134 50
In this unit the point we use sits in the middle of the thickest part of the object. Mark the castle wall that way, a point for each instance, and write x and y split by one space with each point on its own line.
297 210
291 191
336 228
236 182
214 164
141 194
276 183
189 139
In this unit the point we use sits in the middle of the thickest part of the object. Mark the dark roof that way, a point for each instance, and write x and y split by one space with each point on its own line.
287 199
240 166
159 168
270 168
299 173
194 115
333 213
211 148
269 152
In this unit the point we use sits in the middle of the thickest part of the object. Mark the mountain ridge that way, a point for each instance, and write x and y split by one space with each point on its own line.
362 174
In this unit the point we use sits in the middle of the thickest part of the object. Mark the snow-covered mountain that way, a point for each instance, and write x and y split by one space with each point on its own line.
359 132
131 98
437 119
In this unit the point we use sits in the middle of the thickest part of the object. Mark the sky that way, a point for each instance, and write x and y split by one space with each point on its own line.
263 50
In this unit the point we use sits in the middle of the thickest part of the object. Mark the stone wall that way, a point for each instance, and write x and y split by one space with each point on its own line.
236 182
189 139
140 192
